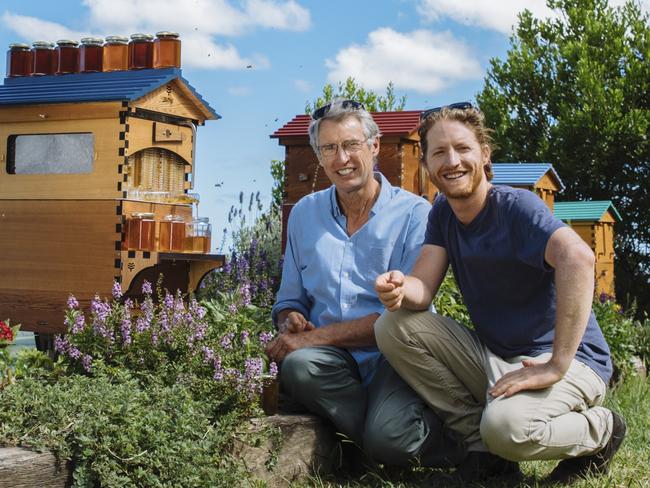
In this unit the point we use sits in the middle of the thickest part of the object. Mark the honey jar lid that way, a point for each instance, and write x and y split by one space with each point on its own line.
142 215
92 41
67 42
116 40
141 37
167 34
42 45
18 46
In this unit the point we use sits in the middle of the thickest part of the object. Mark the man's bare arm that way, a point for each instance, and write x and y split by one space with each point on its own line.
573 262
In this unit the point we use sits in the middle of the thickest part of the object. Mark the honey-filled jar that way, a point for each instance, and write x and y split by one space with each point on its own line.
91 55
67 57
166 50
19 60
140 232
141 51
198 234
172 233
116 53
43 58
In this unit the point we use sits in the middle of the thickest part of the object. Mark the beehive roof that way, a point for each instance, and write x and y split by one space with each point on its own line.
96 87
523 173
587 210
402 123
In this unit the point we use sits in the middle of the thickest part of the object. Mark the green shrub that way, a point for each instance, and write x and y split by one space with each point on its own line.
624 335
449 301
118 433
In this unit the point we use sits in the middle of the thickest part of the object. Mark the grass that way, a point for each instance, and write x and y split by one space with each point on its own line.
630 468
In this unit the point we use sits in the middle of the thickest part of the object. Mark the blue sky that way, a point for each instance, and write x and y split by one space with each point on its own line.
435 51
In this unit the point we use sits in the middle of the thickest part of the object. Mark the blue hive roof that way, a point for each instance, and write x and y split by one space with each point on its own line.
522 173
92 87
588 210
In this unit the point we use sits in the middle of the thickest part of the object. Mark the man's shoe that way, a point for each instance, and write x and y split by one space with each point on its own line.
483 465
569 470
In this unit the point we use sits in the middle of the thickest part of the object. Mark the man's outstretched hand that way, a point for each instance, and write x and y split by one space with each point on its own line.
390 289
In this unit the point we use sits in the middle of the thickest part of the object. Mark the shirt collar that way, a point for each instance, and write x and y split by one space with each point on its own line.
384 196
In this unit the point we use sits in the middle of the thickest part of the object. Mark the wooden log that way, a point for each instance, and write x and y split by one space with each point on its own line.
299 445
22 468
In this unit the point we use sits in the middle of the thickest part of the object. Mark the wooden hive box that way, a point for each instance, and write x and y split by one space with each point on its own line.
594 222
68 183
399 158
540 178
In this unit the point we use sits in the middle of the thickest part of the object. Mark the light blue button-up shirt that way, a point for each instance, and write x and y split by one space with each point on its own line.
329 276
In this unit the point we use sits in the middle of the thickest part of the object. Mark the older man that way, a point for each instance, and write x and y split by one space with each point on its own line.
528 382
339 241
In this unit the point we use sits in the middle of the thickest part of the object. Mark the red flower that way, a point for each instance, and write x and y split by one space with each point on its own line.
6 334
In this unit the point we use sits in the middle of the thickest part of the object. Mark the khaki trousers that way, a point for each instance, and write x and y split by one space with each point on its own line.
451 369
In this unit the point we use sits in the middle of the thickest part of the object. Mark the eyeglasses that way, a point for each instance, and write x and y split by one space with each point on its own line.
320 112
352 146
457 106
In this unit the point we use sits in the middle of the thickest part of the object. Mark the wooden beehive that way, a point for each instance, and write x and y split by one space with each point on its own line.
398 160
594 222
539 178
113 140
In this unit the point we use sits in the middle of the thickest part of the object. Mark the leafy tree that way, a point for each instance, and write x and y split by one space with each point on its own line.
352 90
574 90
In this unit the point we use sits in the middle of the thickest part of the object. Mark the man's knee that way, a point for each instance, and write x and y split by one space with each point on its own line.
299 372
505 431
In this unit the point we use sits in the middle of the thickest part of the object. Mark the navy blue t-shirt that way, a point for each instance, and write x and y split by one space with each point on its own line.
509 289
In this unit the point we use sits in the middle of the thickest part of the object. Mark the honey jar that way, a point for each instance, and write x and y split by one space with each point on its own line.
172 234
43 58
140 232
198 234
67 57
19 60
116 53
166 50
91 55
141 51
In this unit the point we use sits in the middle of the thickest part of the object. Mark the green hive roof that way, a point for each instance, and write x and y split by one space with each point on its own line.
588 210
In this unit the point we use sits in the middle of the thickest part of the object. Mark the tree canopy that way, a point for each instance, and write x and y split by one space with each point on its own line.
574 90
352 90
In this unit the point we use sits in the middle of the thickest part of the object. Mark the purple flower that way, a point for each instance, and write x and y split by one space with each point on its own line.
61 344
73 352
125 328
265 338
244 337
79 323
273 369
146 288
72 302
232 308
86 362
253 368
117 290
226 341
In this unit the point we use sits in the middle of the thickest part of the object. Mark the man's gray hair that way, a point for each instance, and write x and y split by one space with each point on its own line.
339 111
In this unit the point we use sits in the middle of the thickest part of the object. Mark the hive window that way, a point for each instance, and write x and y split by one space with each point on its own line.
156 169
50 153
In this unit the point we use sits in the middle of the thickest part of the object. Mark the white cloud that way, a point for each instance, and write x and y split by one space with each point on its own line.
199 22
418 60
500 16
302 85
32 28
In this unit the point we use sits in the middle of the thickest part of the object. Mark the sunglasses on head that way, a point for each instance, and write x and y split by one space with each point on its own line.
458 106
321 111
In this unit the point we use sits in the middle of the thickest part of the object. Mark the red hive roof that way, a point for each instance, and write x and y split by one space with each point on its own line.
401 123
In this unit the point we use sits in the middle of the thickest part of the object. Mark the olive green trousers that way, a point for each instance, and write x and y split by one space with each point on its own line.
451 370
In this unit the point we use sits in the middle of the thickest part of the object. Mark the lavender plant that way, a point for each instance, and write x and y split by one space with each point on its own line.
173 340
